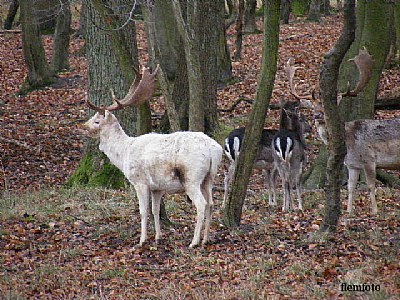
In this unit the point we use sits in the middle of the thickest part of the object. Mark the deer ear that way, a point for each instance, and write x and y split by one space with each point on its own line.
108 116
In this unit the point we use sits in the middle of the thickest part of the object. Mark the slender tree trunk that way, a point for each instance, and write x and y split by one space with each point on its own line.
12 11
239 31
39 72
234 205
61 38
314 14
327 7
334 122
250 25
285 11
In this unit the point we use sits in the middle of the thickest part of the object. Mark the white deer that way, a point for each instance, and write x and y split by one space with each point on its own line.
156 164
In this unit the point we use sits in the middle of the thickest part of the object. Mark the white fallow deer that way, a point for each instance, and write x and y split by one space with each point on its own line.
156 164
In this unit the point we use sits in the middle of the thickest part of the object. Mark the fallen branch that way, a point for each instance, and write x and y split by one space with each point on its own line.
389 103
14 31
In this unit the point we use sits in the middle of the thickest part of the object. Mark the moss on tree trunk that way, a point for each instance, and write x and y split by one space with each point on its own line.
91 174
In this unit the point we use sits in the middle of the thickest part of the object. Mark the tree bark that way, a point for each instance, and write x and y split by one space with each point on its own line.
105 70
239 31
12 11
39 71
233 207
370 15
334 122
196 23
314 13
61 38
285 11
250 25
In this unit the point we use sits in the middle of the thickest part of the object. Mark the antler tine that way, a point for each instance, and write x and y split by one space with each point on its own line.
364 63
290 70
141 90
99 109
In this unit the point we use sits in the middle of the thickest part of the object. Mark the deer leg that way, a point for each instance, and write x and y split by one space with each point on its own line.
370 175
351 186
269 177
142 192
156 200
207 193
194 193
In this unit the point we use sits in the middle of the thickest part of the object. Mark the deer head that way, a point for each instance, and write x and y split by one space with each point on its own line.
140 91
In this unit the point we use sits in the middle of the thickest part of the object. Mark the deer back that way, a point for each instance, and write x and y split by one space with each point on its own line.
373 141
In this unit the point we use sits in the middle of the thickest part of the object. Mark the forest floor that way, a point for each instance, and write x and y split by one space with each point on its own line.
58 243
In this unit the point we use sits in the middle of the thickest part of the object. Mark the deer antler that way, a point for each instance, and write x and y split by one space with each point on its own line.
364 63
141 90
290 70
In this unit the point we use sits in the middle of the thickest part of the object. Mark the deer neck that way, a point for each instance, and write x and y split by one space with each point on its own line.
113 143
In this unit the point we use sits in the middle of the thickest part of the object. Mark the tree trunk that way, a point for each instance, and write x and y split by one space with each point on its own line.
234 204
166 48
315 177
300 7
327 7
45 12
196 23
61 38
106 69
223 56
370 15
285 11
39 72
334 122
239 31
12 11
314 13
250 25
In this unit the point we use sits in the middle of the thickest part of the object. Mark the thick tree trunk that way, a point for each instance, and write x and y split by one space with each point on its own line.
12 11
39 72
45 12
370 15
314 13
105 71
334 122
250 25
196 21
234 204
61 38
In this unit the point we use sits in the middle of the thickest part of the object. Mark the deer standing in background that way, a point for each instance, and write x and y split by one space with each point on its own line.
264 159
289 155
156 164
370 144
